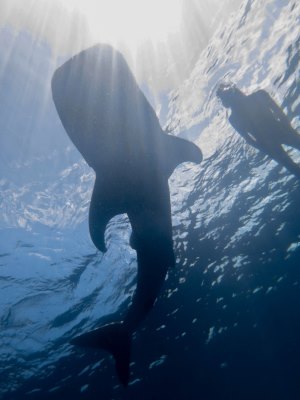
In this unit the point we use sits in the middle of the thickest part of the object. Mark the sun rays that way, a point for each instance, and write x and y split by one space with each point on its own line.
159 39
130 21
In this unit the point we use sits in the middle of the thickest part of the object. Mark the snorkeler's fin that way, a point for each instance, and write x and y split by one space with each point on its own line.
180 150
113 338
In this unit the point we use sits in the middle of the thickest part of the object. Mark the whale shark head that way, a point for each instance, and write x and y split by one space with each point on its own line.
101 106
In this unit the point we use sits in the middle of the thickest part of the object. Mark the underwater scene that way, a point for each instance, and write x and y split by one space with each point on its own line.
226 324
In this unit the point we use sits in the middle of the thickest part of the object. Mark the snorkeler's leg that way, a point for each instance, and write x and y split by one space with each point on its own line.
285 160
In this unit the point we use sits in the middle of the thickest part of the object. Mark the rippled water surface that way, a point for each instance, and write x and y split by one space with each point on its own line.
227 324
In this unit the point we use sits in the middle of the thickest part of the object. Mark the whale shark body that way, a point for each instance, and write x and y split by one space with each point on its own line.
116 130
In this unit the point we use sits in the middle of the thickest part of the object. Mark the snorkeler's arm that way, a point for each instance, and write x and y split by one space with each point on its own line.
242 130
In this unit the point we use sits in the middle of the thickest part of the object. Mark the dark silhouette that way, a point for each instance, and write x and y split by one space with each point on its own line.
117 132
262 123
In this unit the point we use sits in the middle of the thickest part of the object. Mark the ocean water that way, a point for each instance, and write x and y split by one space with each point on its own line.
227 323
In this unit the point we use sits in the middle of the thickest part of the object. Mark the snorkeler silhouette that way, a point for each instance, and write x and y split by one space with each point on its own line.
262 123
117 132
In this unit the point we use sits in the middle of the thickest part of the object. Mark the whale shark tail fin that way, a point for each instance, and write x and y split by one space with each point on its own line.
180 150
113 338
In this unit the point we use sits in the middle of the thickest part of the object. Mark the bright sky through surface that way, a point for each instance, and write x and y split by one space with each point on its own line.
161 39
129 21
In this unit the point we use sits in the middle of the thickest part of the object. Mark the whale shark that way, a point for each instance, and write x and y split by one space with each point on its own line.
116 130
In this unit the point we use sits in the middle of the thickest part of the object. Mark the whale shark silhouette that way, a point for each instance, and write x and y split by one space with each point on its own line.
116 130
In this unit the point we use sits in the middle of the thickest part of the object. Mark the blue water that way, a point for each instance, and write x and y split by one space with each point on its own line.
227 324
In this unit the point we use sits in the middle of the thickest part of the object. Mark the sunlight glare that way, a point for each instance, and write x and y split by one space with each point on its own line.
129 21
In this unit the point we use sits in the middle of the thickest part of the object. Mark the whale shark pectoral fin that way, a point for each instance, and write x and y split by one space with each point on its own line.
178 151
100 212
113 338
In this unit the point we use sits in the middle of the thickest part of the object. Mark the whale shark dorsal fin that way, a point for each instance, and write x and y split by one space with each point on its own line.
178 151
